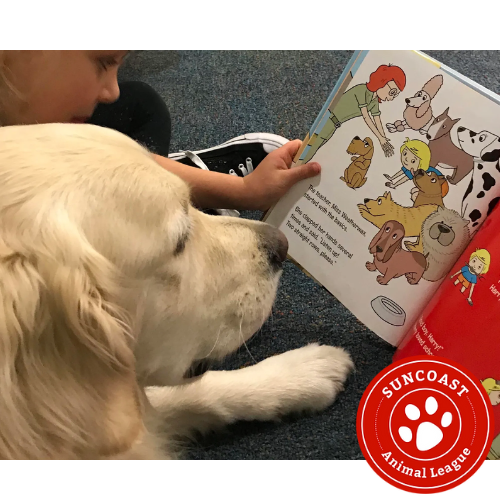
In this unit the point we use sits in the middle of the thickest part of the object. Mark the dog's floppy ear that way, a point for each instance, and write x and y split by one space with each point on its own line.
421 110
68 386
376 239
392 248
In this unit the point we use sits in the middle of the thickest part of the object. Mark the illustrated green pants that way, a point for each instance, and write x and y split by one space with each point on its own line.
325 134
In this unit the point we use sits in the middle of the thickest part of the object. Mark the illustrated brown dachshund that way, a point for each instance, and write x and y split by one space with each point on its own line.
390 259
355 174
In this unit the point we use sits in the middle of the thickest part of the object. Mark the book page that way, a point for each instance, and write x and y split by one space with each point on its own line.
409 172
459 322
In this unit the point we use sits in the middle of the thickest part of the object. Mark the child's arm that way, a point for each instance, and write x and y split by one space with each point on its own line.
257 191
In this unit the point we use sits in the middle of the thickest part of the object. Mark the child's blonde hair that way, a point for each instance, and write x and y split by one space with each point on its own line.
484 256
490 384
420 150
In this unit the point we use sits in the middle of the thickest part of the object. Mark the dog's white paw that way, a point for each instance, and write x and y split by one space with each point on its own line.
305 379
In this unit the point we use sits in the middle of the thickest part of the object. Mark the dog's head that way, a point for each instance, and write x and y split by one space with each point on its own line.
107 276
387 240
428 182
441 125
360 146
483 146
381 206
445 232
420 98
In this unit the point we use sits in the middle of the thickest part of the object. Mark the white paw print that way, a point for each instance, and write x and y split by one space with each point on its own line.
429 435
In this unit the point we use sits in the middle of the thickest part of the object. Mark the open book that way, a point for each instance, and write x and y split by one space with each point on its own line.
410 155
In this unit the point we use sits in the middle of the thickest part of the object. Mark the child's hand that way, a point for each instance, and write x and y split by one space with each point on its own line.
274 177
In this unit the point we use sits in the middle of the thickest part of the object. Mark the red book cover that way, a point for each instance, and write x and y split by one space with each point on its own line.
462 320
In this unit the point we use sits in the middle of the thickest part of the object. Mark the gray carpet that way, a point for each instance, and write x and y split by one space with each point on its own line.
214 96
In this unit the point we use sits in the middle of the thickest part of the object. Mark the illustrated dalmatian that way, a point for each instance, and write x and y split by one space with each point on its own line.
483 192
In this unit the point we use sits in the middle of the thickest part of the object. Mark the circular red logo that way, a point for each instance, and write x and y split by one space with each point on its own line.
425 424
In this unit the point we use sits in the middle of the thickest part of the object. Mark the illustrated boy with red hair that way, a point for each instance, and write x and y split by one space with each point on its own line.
385 84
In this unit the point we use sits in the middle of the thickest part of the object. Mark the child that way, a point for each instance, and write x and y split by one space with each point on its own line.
414 154
479 263
81 86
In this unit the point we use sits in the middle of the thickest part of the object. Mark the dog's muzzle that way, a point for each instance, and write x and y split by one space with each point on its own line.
275 244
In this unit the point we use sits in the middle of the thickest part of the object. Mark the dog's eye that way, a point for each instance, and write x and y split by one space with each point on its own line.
444 126
379 201
366 145
394 236
433 181
424 97
387 229
482 137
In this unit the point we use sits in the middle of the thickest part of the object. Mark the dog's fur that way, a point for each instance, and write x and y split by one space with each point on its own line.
444 237
355 174
481 196
418 112
111 286
384 209
428 188
444 153
390 259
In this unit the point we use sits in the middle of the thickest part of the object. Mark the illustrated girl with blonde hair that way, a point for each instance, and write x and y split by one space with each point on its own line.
415 154
479 264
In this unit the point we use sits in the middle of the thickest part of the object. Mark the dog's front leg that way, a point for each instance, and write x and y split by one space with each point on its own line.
305 379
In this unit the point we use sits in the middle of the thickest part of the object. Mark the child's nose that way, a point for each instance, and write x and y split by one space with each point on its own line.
110 92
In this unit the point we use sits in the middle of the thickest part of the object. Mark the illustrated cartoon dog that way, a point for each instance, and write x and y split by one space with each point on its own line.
418 113
390 259
445 234
384 209
480 198
355 174
444 152
428 188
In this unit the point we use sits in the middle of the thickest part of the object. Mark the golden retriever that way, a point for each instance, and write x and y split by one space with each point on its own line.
111 286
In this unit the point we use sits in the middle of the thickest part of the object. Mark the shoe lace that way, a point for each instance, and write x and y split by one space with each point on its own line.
245 170
201 164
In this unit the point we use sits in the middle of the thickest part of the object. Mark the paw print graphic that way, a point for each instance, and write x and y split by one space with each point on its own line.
425 425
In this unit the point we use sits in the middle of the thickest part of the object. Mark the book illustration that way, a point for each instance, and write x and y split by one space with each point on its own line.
492 388
444 152
494 453
484 147
445 235
468 276
418 112
385 209
430 188
388 311
355 174
390 259
415 155
362 100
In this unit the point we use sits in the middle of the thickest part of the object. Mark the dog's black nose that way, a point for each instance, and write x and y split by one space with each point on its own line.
472 134
419 173
274 243
460 129
443 229
379 249
407 101
366 200
357 138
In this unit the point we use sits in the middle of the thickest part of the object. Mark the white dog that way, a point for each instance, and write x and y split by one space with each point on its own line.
483 192
111 286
